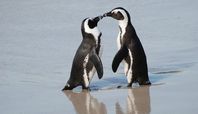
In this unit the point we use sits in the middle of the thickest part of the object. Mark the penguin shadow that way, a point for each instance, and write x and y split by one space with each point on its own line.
137 102
157 76
85 103
110 83
119 81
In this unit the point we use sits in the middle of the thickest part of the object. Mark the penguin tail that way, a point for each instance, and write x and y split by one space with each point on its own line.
67 87
145 83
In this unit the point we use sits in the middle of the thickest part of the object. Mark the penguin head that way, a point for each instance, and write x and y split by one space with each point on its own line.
90 23
89 26
119 14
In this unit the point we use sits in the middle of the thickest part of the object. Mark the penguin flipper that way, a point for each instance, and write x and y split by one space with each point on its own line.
95 59
120 55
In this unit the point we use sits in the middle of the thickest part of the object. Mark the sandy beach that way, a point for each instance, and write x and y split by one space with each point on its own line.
38 40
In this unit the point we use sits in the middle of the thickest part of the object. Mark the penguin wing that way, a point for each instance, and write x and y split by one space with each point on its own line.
95 59
120 55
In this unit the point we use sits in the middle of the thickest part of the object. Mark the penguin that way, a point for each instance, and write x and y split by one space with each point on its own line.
86 60
130 51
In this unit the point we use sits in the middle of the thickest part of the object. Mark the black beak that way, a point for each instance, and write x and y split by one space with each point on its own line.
98 18
107 14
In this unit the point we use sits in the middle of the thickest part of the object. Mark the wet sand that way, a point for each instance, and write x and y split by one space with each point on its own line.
38 40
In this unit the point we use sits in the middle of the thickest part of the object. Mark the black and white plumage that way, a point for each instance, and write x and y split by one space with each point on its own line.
87 59
131 51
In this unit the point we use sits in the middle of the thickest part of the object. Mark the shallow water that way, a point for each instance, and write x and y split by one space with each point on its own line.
38 40
136 100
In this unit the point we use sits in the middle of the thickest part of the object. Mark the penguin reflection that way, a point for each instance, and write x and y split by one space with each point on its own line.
84 103
138 101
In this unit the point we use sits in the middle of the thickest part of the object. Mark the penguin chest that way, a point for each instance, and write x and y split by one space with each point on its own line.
118 41
128 61
99 46
120 37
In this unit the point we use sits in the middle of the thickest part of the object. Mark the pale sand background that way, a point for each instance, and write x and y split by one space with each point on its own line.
38 39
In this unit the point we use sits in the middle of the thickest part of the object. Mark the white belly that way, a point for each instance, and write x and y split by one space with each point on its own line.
118 41
129 72
119 46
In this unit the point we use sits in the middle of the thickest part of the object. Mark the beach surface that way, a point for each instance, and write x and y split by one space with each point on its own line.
39 38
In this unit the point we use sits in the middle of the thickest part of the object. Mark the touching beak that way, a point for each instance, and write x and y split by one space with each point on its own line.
98 18
107 14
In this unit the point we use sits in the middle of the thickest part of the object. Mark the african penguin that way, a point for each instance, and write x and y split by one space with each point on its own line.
131 51
86 60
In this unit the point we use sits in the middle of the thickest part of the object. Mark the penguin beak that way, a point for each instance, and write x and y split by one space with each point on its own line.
107 14
98 18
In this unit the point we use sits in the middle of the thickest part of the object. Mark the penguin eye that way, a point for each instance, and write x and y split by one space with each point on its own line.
120 16
119 13
91 24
